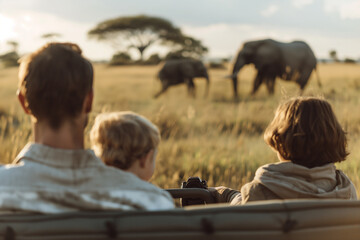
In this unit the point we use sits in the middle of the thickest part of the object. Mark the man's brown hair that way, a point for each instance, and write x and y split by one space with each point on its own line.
306 132
55 81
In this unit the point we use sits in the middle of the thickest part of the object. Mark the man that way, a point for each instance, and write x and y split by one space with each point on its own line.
55 173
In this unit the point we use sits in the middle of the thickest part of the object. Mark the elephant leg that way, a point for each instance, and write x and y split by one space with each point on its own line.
257 82
207 87
270 84
160 92
303 79
165 86
235 85
191 87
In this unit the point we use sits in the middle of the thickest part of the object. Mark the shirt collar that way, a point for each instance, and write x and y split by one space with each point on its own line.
58 157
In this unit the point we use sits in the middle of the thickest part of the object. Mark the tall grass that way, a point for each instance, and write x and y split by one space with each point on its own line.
214 138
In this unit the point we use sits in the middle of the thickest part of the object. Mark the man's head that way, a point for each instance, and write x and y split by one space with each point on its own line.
127 141
54 82
306 131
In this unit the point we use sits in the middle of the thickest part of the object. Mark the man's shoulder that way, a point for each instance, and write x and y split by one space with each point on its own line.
11 175
10 168
119 177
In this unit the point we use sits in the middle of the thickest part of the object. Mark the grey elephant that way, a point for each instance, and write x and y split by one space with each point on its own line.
179 71
292 61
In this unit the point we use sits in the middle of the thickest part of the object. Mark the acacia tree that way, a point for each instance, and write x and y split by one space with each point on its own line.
188 47
333 55
140 32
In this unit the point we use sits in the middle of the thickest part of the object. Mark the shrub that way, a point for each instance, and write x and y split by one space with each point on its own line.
349 60
154 59
216 65
121 58
9 59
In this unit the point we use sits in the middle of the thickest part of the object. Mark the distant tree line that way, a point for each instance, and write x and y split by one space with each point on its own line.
10 59
334 57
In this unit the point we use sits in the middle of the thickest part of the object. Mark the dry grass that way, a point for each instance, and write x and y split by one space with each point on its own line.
215 138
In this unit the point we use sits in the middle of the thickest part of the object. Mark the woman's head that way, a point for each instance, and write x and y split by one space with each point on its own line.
121 139
305 131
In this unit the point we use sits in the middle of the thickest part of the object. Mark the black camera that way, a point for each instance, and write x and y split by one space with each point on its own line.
193 182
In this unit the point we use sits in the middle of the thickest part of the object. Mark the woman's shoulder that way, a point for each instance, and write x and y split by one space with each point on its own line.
255 191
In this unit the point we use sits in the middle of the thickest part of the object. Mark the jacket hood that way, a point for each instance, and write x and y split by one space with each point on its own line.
289 180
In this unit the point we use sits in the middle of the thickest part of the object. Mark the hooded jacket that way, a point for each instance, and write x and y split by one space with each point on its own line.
286 180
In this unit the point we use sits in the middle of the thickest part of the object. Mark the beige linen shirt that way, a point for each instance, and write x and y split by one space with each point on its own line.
50 180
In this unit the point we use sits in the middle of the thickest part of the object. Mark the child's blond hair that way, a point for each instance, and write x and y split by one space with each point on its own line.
306 132
121 138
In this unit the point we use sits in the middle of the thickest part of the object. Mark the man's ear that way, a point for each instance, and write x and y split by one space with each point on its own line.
22 101
89 101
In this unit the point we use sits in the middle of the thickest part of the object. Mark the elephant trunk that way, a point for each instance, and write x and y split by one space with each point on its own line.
207 84
240 62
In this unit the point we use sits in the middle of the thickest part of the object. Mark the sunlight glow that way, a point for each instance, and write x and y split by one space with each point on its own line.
27 18
6 28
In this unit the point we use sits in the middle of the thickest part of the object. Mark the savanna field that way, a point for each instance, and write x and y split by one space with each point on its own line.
214 138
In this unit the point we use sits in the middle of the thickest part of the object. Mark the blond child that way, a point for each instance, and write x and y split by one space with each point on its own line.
54 172
308 140
128 141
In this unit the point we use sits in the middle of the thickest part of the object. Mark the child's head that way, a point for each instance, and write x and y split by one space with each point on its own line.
54 82
305 131
127 141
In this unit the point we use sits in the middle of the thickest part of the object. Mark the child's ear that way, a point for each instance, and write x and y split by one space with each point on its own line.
145 159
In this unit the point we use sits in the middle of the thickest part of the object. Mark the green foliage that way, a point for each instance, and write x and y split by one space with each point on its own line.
174 55
121 58
226 60
135 25
349 60
154 59
188 47
218 65
142 31
333 55
51 36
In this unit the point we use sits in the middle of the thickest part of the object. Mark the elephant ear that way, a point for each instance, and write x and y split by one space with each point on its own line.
250 49
268 53
247 52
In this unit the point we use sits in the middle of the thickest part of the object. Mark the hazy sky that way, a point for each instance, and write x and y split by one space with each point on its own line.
222 25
